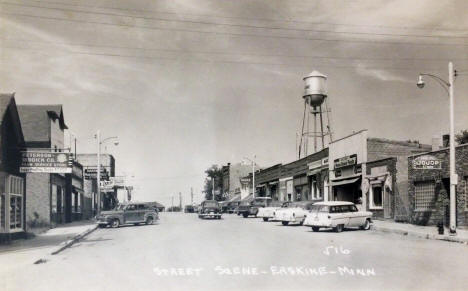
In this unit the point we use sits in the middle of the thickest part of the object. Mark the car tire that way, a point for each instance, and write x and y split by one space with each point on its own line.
302 222
366 225
284 223
149 220
339 228
245 215
136 224
115 223
102 225
265 219
315 228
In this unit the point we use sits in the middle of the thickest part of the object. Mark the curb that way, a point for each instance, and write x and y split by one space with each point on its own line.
420 234
69 243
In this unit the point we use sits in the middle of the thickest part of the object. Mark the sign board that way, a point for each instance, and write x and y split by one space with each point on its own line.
345 161
107 184
427 163
45 162
91 173
315 164
118 181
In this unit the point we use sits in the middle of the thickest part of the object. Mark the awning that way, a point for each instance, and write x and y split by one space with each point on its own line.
313 172
261 185
345 181
273 183
75 189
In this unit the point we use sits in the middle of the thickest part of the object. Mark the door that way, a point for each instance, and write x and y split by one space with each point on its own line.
141 210
131 213
15 194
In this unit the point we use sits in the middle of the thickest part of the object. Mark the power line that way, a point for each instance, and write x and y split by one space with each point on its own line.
231 62
237 25
234 54
234 34
254 19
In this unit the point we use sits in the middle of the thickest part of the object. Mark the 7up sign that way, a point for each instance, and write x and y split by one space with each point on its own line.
427 162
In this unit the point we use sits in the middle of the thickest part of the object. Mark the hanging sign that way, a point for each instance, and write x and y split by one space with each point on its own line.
45 162
345 161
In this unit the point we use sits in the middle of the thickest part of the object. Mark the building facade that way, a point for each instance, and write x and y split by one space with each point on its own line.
232 174
429 187
12 182
373 173
267 182
43 129
89 162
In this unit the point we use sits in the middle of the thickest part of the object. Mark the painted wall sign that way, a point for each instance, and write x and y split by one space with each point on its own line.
45 162
427 163
345 161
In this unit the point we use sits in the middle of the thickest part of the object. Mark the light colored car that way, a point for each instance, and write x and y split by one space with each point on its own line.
295 213
337 215
269 212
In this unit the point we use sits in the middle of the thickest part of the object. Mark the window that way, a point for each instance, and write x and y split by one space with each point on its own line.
315 190
142 207
54 198
16 187
376 196
424 195
2 211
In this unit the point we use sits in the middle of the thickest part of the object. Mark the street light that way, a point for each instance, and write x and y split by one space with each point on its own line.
448 86
253 174
98 174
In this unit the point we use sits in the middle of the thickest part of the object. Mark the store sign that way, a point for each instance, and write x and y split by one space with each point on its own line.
345 161
45 162
77 171
91 173
325 162
118 181
245 180
315 165
427 163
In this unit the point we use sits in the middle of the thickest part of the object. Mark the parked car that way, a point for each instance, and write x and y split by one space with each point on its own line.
232 206
189 209
295 213
337 215
209 209
131 213
269 212
247 208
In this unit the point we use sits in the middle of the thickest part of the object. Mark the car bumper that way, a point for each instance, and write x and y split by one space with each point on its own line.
210 214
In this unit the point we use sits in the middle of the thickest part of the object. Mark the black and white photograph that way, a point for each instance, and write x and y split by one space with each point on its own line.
233 145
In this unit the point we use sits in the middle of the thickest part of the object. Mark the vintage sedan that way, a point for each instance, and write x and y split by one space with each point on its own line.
295 213
269 212
247 208
209 209
131 213
337 215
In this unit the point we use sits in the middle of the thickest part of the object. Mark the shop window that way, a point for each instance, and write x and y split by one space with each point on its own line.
424 195
376 196
2 212
16 187
54 198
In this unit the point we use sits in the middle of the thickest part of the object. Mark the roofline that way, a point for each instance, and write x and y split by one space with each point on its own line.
354 133
439 150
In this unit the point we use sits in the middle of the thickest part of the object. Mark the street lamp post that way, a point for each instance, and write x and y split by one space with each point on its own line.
98 174
253 174
448 86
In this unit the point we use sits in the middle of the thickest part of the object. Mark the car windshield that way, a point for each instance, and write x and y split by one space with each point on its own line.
245 203
120 207
210 204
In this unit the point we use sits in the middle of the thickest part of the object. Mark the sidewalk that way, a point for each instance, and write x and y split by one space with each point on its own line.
28 251
428 232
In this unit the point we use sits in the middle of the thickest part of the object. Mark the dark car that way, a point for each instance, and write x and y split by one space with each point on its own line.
209 209
131 213
247 208
189 209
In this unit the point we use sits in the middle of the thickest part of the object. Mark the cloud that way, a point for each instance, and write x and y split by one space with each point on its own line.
380 74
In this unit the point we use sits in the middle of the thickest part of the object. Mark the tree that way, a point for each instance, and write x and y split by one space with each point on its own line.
213 172
462 137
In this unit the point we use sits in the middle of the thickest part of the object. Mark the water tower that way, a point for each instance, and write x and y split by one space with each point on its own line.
315 98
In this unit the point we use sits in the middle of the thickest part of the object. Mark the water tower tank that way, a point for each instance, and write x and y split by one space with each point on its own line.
315 88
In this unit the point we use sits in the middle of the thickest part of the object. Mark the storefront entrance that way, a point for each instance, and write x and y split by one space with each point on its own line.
349 191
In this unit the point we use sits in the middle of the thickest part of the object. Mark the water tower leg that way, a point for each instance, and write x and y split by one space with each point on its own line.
322 135
315 128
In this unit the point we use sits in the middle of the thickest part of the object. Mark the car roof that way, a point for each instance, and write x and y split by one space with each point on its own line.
334 203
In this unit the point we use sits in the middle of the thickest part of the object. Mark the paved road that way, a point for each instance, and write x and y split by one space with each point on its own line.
183 252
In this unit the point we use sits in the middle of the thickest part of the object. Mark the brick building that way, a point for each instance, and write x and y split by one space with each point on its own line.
306 178
267 182
43 129
12 182
232 174
372 172
89 162
429 187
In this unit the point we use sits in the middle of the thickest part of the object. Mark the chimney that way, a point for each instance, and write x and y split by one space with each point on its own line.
446 140
436 142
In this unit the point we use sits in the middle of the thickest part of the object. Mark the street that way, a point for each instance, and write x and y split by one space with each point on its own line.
183 252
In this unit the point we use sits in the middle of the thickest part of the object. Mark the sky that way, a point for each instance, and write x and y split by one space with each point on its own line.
185 84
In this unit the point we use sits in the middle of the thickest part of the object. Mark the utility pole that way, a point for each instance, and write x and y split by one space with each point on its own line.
98 174
191 195
180 200
212 181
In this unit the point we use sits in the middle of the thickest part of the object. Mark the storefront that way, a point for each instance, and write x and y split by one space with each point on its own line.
347 179
429 187
77 192
267 182
12 183
318 179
